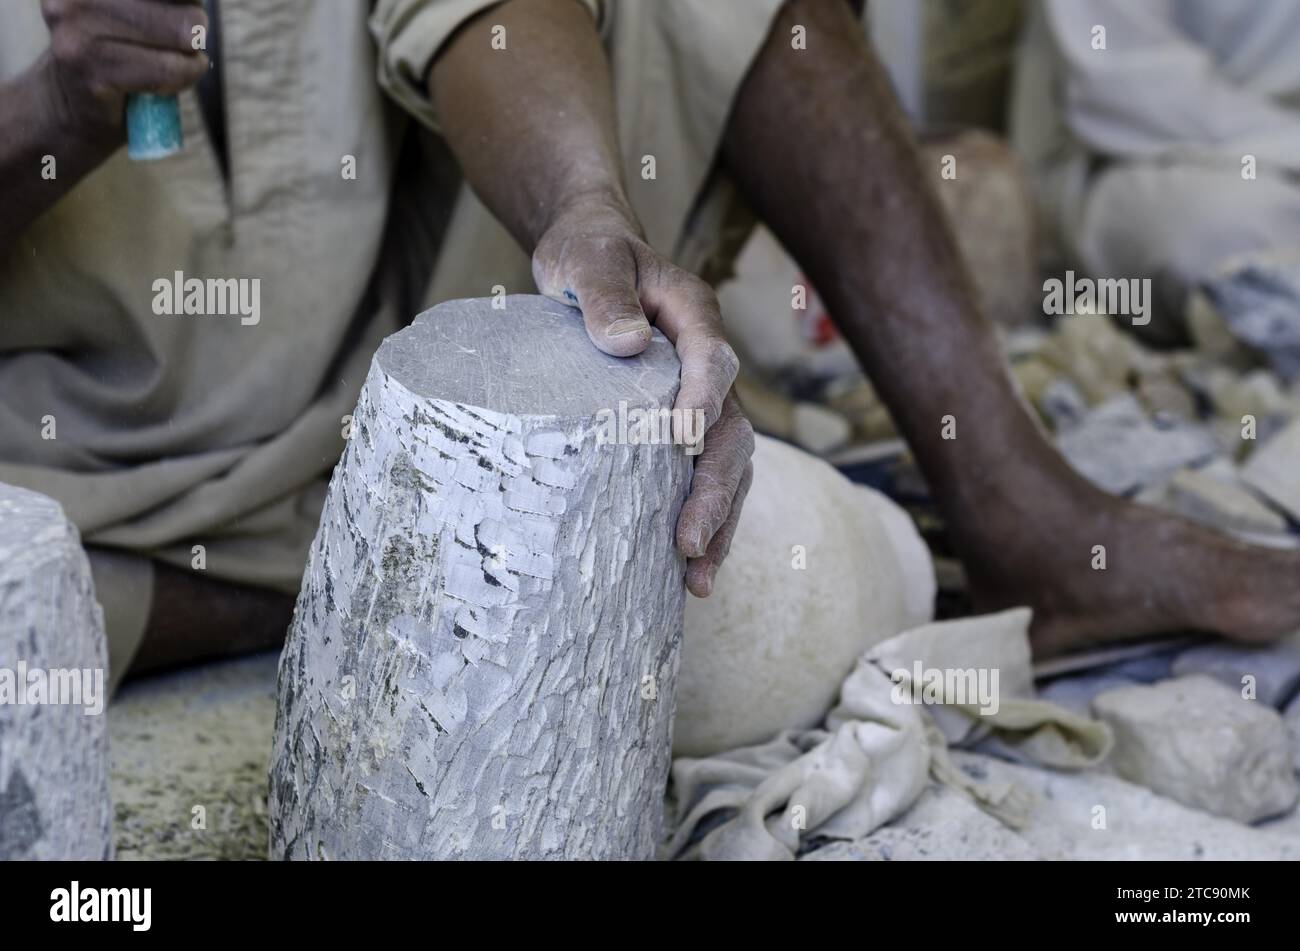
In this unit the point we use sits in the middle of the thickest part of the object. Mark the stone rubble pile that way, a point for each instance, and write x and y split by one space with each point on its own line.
1207 734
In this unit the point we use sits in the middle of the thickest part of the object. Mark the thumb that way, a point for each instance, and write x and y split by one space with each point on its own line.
600 279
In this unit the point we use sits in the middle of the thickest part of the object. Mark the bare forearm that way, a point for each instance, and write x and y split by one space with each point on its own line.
63 116
855 208
41 158
533 128
857 179
532 125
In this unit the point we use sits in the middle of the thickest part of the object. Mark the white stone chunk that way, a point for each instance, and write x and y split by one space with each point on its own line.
1198 742
1118 448
1273 469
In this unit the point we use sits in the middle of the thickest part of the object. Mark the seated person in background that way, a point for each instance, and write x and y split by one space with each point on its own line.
1173 147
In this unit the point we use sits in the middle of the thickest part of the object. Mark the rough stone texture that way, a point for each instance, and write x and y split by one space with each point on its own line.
194 738
1274 469
769 649
1119 449
1073 816
943 824
483 656
1275 668
54 796
1194 740
1139 825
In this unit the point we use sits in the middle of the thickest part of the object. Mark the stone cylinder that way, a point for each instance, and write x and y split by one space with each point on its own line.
483 655
54 767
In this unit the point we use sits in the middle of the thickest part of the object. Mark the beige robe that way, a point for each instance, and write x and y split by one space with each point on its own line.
172 432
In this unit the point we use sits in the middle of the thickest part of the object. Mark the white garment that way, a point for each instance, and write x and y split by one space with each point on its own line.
1137 149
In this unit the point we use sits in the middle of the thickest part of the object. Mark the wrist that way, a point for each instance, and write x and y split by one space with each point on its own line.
60 128
602 209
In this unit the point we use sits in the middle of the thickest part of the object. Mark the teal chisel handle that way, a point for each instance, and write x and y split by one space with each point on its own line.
153 126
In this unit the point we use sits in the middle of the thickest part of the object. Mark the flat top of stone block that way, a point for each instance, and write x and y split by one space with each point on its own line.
531 357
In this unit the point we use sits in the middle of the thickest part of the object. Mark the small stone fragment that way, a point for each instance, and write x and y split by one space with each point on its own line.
1119 449
1198 742
1063 405
1258 296
1163 393
1274 470
1201 497
1090 815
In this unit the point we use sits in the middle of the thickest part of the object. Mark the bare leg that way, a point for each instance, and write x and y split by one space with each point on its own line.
852 207
194 618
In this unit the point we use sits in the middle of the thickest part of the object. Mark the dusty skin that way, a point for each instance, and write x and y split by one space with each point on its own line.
1023 522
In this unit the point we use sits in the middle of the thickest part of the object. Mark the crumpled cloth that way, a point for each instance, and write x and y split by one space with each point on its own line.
874 755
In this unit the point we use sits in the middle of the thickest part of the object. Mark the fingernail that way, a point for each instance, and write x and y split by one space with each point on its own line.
630 326
701 541
706 584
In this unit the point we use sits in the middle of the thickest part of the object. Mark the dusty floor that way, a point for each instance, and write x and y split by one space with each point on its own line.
190 750
189 757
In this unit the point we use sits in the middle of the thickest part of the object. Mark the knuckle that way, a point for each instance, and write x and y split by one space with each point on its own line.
174 72
704 294
56 11
745 434
706 482
693 290
165 74
69 46
723 358
746 480
101 90
712 511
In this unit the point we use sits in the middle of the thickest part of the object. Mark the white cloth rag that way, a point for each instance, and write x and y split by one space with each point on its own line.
878 747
